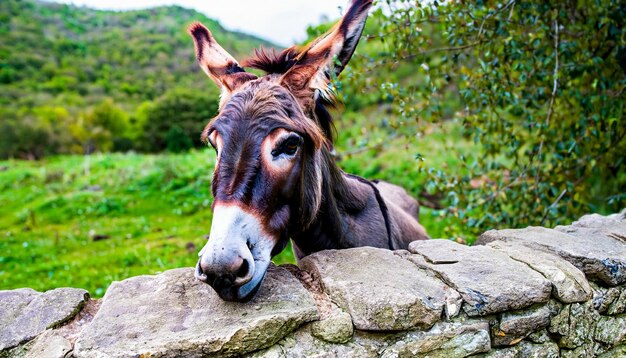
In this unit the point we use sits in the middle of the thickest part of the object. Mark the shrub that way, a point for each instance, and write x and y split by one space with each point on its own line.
539 85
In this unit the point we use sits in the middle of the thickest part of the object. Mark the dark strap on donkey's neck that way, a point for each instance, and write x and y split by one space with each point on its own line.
381 203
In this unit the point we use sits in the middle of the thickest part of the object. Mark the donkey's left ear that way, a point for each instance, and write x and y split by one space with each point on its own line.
328 54
218 64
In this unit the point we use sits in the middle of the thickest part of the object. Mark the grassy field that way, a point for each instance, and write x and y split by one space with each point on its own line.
87 221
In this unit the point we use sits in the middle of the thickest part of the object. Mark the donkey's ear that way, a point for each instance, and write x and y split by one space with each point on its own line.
328 54
221 67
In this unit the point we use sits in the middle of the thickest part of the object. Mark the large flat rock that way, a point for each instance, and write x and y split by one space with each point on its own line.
601 257
26 313
593 225
489 280
379 289
172 314
569 283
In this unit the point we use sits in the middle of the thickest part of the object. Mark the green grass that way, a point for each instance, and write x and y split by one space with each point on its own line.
155 209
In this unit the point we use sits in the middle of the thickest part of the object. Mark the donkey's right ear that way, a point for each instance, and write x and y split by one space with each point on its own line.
327 55
218 64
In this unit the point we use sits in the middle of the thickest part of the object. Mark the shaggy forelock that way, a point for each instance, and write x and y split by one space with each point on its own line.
269 106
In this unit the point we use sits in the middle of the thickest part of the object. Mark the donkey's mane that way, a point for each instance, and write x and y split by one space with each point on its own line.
271 62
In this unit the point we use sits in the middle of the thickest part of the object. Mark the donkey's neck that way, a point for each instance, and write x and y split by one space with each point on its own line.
349 215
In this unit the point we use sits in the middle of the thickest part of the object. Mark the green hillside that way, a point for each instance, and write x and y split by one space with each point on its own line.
60 62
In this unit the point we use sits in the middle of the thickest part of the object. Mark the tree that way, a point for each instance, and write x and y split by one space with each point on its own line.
27 138
100 127
539 85
176 120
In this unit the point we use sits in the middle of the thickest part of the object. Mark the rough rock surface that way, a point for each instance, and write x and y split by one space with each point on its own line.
611 330
600 257
488 280
335 328
575 325
517 325
173 314
26 313
302 344
418 299
526 350
49 344
569 283
444 340
588 226
525 294
610 300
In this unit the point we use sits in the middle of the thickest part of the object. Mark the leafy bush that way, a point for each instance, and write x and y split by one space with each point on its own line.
176 119
539 85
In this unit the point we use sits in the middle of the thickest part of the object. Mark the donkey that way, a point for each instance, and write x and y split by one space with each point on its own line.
275 176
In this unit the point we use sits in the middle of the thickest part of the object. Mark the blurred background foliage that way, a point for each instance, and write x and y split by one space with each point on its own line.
537 86
492 114
77 80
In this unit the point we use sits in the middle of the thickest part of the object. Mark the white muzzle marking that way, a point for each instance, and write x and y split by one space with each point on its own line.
235 234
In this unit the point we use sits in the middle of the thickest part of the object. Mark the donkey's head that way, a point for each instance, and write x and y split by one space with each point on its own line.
269 140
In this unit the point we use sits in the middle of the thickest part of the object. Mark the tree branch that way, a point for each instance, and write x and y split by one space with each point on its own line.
552 97
482 24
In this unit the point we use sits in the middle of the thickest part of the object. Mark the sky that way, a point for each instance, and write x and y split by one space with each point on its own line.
283 22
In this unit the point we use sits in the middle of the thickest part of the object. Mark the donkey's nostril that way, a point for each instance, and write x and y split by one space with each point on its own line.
199 273
243 269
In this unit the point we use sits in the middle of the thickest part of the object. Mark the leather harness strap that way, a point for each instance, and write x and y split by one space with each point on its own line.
381 204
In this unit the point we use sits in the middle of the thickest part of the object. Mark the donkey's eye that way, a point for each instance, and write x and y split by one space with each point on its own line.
211 139
289 146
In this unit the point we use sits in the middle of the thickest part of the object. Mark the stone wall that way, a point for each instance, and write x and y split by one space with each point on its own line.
532 292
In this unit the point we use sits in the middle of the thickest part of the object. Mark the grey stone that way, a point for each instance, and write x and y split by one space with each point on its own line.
540 336
517 325
489 280
610 301
173 314
619 305
600 257
26 313
302 344
619 351
611 330
605 299
585 351
336 328
575 324
568 283
49 344
444 339
526 350
594 225
380 290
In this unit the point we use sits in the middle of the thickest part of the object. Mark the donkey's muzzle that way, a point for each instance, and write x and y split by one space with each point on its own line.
236 257
225 278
